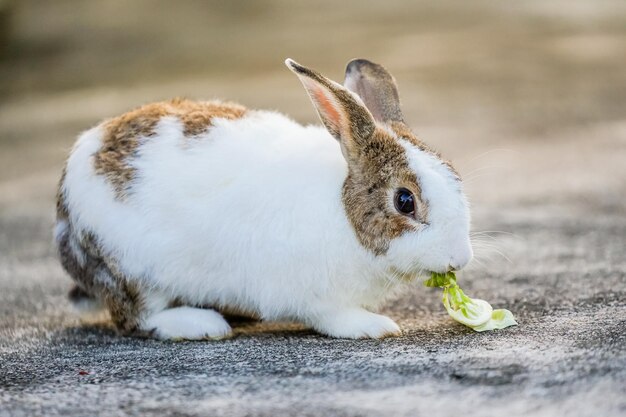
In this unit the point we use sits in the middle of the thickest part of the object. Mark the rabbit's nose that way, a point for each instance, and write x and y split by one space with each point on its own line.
457 264
461 257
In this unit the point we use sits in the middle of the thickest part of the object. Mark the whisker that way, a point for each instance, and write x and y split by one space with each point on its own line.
487 232
483 154
483 168
491 249
479 262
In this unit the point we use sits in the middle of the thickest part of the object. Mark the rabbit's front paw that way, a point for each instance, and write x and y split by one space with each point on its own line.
356 324
187 323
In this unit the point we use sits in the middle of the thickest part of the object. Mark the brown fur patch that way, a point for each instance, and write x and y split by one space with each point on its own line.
97 276
122 134
380 167
62 211
377 164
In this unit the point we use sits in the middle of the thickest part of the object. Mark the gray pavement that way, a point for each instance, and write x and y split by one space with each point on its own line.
527 100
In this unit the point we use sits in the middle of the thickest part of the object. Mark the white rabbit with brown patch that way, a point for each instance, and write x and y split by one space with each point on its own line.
177 210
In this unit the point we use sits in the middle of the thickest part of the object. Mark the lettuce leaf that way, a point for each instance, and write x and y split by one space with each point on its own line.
472 312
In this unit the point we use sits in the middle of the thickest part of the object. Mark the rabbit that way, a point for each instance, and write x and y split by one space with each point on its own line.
175 212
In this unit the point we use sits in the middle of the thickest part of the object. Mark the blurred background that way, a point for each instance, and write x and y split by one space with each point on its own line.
528 100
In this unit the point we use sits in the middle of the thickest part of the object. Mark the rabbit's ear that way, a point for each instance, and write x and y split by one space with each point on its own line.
376 87
343 113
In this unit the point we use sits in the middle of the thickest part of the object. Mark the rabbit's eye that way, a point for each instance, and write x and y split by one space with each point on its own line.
405 202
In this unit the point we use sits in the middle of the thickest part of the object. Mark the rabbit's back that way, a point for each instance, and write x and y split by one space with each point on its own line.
191 197
122 136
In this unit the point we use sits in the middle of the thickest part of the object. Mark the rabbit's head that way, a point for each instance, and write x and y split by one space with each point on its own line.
404 202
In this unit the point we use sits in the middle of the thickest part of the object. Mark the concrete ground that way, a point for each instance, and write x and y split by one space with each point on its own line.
526 98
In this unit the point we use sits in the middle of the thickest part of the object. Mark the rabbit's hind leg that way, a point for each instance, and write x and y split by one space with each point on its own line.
98 281
134 309
140 311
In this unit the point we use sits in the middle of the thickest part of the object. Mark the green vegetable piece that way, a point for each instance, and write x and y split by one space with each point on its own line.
441 280
475 313
499 320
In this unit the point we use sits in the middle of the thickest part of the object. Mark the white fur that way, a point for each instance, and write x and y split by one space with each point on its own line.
356 323
188 323
249 216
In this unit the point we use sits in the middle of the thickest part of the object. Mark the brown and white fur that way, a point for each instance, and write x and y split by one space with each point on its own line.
177 210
